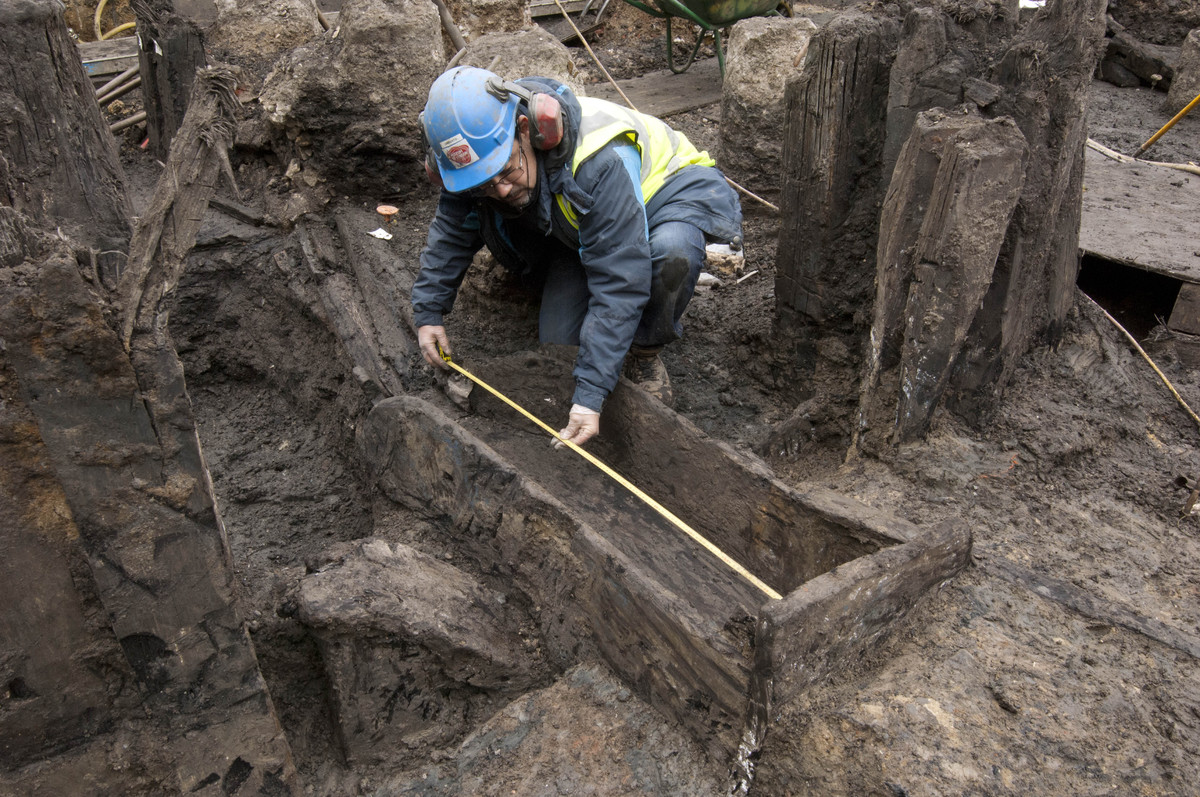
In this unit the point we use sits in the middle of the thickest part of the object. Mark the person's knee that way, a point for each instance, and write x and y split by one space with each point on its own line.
679 250
675 269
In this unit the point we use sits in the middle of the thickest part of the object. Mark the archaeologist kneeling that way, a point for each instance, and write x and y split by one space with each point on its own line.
609 209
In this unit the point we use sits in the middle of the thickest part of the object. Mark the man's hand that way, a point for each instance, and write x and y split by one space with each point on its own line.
429 337
583 425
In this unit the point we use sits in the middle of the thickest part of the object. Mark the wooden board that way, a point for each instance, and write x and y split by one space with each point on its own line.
564 31
664 93
1142 216
548 8
110 57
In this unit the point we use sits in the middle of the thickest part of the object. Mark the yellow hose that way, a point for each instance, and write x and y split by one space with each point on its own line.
96 24
96 19
118 29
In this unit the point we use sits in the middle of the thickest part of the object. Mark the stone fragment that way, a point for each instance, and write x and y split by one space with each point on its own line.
763 54
523 54
416 650
477 18
1186 85
346 105
263 28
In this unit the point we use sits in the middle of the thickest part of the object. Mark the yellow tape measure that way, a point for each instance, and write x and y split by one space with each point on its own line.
684 527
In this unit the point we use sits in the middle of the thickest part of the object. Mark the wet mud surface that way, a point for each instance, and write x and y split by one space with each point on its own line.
993 686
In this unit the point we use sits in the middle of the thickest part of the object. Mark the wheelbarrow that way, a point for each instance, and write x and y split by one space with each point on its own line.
711 16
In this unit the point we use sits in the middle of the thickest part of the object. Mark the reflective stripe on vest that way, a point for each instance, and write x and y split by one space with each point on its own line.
663 151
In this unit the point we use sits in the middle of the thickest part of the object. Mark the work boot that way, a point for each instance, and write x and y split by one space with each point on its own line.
645 369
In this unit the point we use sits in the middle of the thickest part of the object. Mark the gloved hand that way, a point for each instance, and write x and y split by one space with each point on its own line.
429 337
583 425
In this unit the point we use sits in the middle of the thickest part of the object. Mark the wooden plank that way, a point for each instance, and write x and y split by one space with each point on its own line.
597 598
367 257
345 310
632 444
123 46
664 93
547 8
110 57
811 635
1141 215
564 31
1092 606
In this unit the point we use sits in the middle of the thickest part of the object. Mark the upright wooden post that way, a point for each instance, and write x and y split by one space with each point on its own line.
930 264
1044 77
956 183
832 188
170 53
58 162
131 636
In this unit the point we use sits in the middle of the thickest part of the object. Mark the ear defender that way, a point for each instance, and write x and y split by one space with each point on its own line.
431 169
545 112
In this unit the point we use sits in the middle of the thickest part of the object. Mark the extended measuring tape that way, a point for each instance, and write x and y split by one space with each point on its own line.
655 505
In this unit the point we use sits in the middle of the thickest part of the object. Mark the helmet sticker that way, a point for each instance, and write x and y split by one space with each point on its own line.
458 151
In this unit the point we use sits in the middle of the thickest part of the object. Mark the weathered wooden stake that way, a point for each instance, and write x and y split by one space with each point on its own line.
167 228
58 162
131 625
832 187
1044 76
171 51
955 186
977 187
838 154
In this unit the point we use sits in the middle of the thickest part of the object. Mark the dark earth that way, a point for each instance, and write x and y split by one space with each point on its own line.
1065 661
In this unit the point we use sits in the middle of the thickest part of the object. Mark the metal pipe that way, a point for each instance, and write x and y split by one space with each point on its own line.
457 57
448 24
118 80
120 91
321 18
137 118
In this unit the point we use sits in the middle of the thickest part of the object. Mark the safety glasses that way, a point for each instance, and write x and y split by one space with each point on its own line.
511 174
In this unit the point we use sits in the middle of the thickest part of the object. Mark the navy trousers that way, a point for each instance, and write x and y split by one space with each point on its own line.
676 257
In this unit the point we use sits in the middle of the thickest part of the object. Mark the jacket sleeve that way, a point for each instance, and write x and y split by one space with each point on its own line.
614 249
453 240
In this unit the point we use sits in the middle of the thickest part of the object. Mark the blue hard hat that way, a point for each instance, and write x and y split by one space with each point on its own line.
469 129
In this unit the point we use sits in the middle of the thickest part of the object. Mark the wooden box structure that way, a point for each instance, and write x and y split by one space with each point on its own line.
610 578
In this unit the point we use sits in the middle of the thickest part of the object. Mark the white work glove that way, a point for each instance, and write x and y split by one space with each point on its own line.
583 425
429 337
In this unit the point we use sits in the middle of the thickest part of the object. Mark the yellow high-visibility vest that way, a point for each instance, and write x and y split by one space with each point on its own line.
663 151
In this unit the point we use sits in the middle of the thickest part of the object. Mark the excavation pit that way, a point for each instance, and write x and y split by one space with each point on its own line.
603 575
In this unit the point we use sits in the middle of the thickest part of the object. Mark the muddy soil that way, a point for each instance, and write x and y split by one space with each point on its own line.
998 685
1157 22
